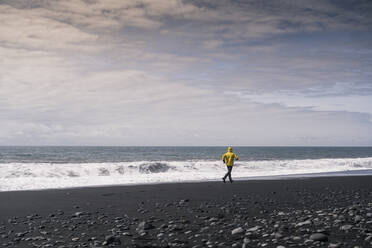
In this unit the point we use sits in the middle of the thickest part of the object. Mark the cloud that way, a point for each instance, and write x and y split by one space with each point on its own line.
26 29
133 107
172 72
347 103
93 25
212 44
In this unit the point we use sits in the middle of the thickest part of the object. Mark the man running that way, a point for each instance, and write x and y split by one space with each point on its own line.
228 158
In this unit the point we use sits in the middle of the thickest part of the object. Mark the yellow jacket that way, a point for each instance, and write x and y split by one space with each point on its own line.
229 157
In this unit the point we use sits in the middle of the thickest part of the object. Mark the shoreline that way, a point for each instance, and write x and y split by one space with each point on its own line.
267 213
352 173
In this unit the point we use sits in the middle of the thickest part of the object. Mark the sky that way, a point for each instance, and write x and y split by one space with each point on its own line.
197 72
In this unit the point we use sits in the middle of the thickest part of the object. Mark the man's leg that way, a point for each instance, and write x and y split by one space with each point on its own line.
230 169
224 177
227 174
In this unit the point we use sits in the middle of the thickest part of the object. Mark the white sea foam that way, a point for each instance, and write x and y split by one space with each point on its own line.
29 176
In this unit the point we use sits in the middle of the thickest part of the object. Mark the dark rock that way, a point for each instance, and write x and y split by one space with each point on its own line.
346 227
319 237
143 226
111 239
183 201
237 230
254 229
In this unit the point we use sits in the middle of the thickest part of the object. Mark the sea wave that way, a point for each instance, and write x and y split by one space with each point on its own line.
31 176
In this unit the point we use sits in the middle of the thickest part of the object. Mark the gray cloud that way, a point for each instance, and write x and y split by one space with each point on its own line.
185 72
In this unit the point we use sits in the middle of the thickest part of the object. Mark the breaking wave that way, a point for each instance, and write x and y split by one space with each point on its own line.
30 176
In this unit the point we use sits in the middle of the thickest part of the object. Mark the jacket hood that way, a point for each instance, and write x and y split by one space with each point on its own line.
229 149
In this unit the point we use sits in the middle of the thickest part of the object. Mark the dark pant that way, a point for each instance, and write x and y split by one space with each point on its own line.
229 169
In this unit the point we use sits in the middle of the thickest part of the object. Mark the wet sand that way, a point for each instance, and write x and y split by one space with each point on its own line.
311 212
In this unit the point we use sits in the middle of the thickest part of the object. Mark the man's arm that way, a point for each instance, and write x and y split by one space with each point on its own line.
223 158
236 157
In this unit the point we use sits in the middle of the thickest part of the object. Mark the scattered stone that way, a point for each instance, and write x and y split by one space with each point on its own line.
143 226
254 229
319 237
111 239
304 223
278 235
78 214
237 230
332 245
183 201
208 223
346 227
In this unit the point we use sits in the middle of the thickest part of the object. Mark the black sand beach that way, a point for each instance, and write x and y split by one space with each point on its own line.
312 212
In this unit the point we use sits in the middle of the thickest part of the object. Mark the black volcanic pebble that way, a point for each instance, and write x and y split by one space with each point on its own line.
319 237
111 239
144 225
342 221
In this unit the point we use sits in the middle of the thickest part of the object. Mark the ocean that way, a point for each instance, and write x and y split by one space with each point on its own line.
35 168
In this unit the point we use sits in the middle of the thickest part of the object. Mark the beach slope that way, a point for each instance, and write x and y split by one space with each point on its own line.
312 212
